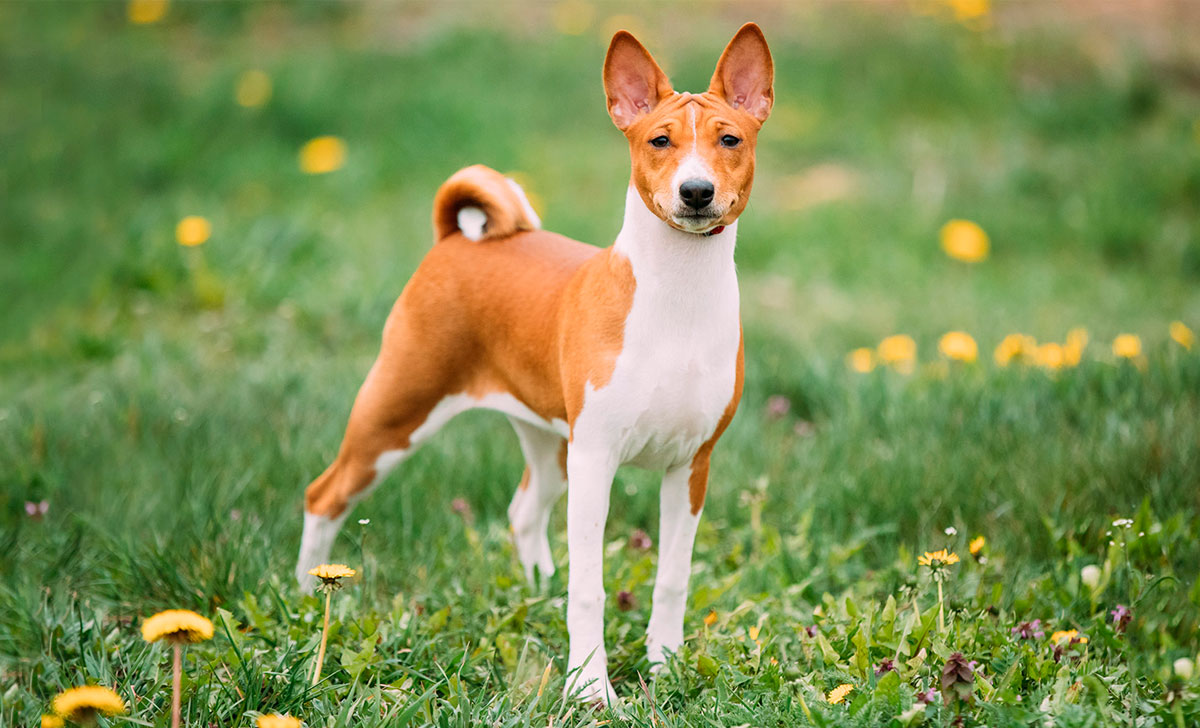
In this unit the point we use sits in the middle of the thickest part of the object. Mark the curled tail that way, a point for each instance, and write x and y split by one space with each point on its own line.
482 203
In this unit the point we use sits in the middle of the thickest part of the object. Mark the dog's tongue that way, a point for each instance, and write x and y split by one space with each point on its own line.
715 231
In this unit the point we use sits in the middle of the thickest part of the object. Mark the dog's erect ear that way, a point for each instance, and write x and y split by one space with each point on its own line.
632 80
745 74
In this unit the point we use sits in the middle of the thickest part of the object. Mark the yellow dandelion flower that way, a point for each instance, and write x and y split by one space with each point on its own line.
51 721
331 576
144 12
958 345
1050 356
1127 346
1015 346
943 557
277 721
1182 335
965 10
861 360
322 154
1077 341
573 17
253 89
82 704
839 693
710 619
964 240
332 573
976 545
754 633
898 351
177 625
193 230
1068 636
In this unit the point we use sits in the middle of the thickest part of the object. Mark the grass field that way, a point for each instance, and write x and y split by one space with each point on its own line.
169 403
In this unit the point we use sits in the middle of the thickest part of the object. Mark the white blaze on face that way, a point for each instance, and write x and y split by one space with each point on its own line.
691 167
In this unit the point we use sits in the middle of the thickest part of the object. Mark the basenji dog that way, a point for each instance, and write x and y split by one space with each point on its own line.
630 354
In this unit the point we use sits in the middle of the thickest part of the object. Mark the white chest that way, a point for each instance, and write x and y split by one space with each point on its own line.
677 369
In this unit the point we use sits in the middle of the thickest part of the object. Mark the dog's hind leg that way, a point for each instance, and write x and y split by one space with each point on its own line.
544 482
392 416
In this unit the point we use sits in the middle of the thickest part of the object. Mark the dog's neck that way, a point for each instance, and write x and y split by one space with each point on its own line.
676 263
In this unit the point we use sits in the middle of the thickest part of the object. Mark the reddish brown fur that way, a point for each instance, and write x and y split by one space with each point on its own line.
479 317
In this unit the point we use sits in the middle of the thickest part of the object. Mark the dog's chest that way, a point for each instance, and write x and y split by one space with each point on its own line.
674 377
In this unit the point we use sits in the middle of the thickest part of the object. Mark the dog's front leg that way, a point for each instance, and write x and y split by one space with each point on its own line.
676 533
589 482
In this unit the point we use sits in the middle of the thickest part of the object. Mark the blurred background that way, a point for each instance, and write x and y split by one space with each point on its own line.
1067 131
207 210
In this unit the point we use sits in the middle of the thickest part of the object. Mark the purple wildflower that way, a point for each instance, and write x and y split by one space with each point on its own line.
1029 630
777 406
463 509
1121 616
639 540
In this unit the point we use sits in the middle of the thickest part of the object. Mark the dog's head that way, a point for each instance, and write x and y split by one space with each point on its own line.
692 154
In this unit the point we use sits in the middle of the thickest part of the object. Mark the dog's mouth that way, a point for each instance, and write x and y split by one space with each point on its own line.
695 222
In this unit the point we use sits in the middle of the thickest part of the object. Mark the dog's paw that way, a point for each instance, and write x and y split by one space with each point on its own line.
591 687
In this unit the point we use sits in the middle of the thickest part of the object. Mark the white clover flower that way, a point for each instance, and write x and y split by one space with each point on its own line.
1090 576
951 531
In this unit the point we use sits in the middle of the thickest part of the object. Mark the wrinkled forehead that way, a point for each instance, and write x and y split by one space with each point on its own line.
684 108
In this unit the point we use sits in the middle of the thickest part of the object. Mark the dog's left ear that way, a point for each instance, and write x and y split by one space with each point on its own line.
745 74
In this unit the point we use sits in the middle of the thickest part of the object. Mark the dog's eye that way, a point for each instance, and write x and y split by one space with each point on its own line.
730 141
660 142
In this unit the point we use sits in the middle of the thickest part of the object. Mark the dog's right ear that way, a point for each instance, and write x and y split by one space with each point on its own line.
633 82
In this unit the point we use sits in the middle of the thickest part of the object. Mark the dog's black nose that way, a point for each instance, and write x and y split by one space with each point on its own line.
696 193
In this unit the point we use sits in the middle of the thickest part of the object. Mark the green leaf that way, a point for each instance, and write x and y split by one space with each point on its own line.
887 691
828 654
862 651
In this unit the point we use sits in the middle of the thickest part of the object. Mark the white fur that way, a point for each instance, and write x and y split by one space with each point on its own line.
471 221
531 505
676 534
528 208
316 544
692 166
672 381
675 373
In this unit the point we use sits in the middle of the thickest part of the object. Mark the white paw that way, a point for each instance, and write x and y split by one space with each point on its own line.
659 650
307 582
591 685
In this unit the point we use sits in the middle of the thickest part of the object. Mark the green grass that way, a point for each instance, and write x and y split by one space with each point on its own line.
170 404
